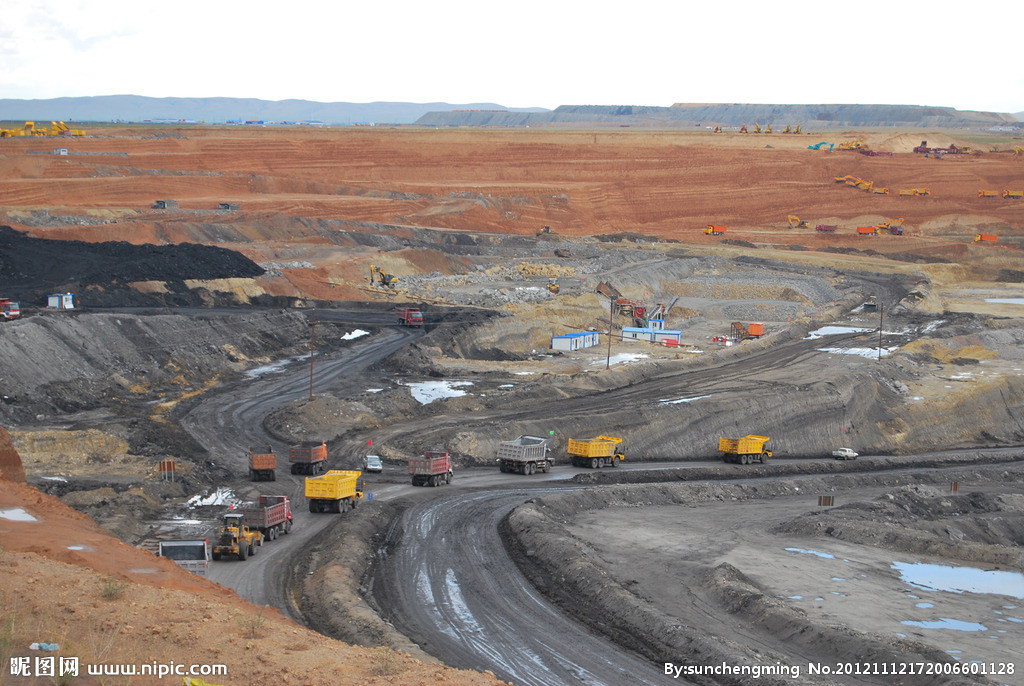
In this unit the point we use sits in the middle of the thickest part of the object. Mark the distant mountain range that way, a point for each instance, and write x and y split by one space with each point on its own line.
136 108
734 115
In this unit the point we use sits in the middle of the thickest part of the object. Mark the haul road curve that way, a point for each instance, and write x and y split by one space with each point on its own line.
479 611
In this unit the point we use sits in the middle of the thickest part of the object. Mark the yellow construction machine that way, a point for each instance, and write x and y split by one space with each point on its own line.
29 129
553 286
381 278
767 128
544 231
1013 194
915 191
743 129
796 222
757 127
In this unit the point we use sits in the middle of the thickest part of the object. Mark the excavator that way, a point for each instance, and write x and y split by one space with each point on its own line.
797 223
544 231
718 129
767 128
743 129
757 127
817 146
893 226
382 278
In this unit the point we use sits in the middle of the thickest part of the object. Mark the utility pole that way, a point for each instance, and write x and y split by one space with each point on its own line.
611 306
312 349
880 308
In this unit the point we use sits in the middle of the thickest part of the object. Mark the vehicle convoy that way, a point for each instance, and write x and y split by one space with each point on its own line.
744 450
271 515
434 468
525 455
262 464
308 458
409 316
596 452
336 491
9 309
193 556
236 539
844 454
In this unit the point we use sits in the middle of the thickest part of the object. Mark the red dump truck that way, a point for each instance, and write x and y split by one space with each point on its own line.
434 468
271 515
826 228
409 316
262 464
9 310
309 458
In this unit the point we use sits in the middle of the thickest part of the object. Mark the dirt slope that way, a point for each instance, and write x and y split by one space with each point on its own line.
65 581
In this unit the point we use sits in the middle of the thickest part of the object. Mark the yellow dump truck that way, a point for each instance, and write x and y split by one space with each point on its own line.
336 491
596 452
745 450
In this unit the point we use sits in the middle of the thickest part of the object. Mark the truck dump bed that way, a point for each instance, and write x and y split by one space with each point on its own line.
335 484
602 446
523 448
742 446
308 453
265 513
260 458
432 462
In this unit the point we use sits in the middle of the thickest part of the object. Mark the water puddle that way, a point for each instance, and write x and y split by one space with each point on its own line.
670 401
16 514
828 556
946 623
860 352
960 579
833 331
426 392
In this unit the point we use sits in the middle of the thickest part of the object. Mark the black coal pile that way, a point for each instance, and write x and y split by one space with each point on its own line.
31 268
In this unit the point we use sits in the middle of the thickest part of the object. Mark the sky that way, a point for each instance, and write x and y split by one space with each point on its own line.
523 53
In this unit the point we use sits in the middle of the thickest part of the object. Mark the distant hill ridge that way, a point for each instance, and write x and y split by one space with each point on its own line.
735 114
136 108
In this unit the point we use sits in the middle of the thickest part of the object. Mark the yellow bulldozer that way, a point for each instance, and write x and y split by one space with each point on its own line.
380 277
553 286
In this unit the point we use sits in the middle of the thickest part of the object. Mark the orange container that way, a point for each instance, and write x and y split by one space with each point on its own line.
756 329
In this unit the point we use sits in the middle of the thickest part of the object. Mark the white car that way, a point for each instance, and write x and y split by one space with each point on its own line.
373 463
844 454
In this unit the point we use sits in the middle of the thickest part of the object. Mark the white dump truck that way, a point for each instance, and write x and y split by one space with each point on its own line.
525 455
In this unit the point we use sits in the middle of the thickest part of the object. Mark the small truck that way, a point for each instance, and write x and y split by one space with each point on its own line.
744 450
409 316
336 491
525 455
308 458
9 309
262 464
844 454
434 468
193 556
596 452
236 539
271 515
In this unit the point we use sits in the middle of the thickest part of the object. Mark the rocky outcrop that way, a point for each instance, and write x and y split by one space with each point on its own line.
10 462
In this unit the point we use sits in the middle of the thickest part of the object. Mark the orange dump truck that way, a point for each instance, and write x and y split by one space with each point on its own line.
262 464
866 230
308 458
986 237
714 230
